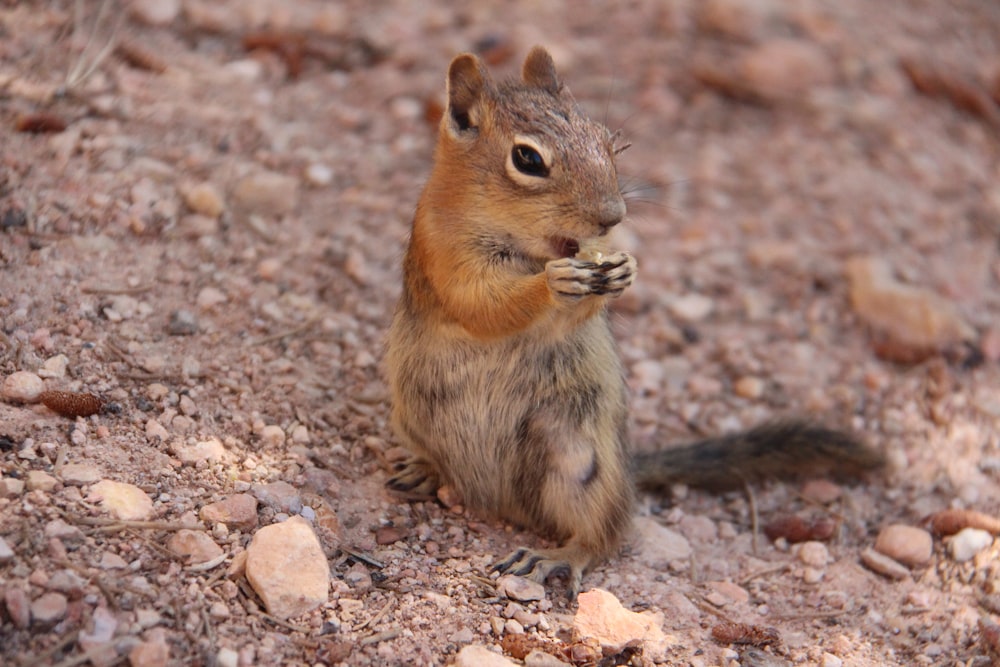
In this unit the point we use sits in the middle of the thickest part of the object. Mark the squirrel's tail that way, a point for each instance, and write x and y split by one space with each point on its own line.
779 449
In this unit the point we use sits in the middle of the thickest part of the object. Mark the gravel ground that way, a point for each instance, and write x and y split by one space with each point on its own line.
202 211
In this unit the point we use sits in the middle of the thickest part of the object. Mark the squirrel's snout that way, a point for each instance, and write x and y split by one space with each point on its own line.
611 213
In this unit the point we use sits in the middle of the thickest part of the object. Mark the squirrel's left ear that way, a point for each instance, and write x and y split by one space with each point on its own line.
467 79
539 71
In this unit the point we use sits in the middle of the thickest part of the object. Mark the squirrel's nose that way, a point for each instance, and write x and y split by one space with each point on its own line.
612 212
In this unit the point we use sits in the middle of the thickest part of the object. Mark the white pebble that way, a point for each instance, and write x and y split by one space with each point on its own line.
54 367
318 174
22 386
273 435
209 297
814 554
691 307
968 542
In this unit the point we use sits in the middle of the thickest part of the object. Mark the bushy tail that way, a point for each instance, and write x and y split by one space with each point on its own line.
774 450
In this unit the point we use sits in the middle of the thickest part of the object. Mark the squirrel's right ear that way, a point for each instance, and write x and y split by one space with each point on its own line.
466 80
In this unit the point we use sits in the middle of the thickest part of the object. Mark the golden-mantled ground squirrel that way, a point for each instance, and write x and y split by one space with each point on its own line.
506 383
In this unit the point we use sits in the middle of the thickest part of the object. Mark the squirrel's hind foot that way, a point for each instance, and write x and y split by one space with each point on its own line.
540 564
414 477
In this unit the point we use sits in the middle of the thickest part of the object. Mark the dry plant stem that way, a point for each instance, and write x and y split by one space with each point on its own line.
777 569
362 557
705 606
285 334
808 616
44 657
121 524
383 636
81 69
207 565
754 516
377 617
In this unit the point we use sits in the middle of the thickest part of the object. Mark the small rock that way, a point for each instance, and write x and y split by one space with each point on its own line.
814 554
205 199
359 578
267 193
812 575
79 474
196 226
54 367
194 546
187 406
66 581
538 658
111 561
318 175
6 553
883 565
389 534
477 655
182 323
98 637
698 528
49 608
211 450
155 12
156 431
210 297
61 530
237 511
279 496
968 542
273 435
300 435
732 593
269 268
749 387
463 636
912 317
227 657
18 606
22 386
786 68
122 501
287 568
738 19
659 545
821 491
602 617
905 544
153 652
691 307
513 627
830 660
519 588
10 487
39 480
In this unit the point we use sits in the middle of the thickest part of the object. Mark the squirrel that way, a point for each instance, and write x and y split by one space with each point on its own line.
504 377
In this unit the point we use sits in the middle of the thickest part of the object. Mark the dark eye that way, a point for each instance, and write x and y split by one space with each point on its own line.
528 161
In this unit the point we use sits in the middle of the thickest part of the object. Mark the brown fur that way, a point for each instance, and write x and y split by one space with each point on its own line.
505 380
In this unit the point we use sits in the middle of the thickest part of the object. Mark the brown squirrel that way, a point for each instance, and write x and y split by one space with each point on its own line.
505 380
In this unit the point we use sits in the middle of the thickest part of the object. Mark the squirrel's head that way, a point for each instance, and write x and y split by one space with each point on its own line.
528 156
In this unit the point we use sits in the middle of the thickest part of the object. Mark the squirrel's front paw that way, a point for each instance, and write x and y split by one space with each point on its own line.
574 278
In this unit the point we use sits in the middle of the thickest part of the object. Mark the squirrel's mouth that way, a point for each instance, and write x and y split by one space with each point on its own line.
564 247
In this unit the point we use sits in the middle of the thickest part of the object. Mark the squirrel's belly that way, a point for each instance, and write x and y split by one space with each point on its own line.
496 419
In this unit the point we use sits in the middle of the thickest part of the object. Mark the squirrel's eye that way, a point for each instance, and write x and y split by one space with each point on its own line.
528 161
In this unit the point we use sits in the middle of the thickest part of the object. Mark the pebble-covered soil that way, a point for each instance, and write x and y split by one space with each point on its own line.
203 206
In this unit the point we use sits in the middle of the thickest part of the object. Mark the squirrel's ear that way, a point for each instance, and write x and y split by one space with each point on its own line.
466 80
539 71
